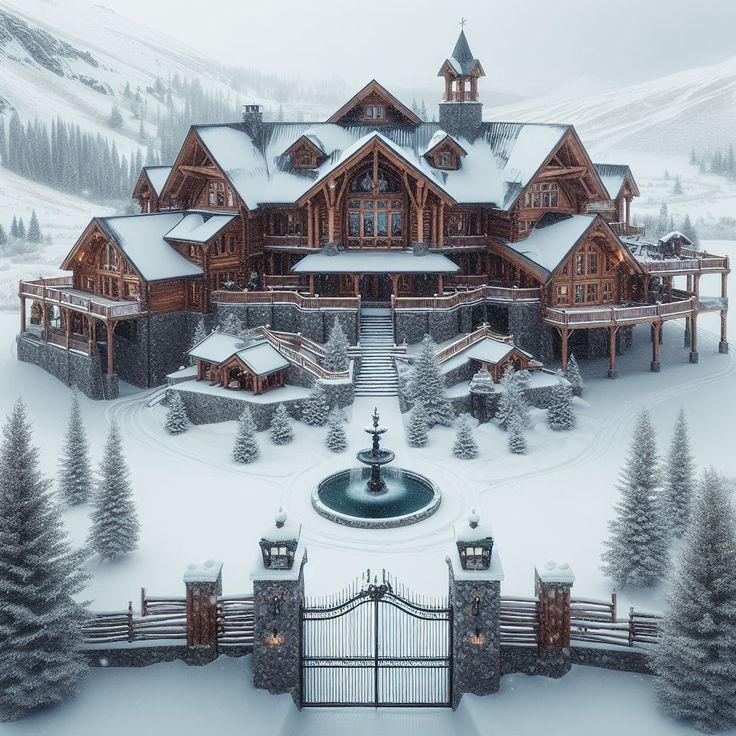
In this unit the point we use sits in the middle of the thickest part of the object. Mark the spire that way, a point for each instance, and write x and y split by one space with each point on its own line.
462 51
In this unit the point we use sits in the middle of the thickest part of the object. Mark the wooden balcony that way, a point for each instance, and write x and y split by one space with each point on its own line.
80 343
483 293
471 338
285 241
60 293
290 281
587 317
465 241
622 229
285 297
693 263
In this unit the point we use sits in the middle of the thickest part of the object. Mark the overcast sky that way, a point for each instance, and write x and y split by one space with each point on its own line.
614 42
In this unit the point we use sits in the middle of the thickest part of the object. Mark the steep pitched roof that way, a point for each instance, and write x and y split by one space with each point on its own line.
614 177
462 60
199 227
260 357
157 176
375 87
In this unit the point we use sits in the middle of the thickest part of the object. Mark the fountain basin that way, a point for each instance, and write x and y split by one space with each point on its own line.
408 498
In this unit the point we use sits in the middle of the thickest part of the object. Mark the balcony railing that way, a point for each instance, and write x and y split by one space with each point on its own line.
285 297
687 265
467 241
584 316
626 230
483 293
58 291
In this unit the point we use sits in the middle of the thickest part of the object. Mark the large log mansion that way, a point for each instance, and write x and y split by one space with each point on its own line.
444 225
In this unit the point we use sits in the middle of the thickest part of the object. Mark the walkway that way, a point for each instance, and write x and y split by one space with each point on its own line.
377 375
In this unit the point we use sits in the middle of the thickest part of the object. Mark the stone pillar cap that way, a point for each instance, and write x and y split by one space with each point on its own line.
555 572
205 572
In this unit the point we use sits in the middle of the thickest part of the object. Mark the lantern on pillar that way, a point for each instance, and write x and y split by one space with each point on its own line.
279 543
474 544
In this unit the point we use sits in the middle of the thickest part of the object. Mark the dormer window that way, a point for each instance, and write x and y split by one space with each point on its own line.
445 160
305 159
374 112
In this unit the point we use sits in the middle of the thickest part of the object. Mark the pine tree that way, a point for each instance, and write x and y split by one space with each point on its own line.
427 385
416 429
230 325
336 439
281 430
41 658
115 527
3 236
513 401
34 230
662 220
316 410
245 449
679 479
560 415
21 229
177 420
636 553
482 383
688 230
465 446
336 349
116 119
695 655
677 189
14 227
574 376
75 471
516 436
198 335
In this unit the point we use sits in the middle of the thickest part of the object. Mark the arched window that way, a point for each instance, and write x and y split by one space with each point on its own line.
375 216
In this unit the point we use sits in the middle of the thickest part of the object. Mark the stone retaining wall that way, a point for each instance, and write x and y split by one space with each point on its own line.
534 661
144 656
623 660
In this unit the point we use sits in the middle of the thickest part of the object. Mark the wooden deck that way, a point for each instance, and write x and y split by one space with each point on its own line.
285 297
482 293
584 317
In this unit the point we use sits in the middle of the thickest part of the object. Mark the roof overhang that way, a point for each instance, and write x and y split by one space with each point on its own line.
375 261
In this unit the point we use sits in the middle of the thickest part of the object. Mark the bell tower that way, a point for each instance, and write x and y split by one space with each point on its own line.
460 111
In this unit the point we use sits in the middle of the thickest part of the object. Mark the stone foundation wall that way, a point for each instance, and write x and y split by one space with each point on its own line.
613 659
72 368
534 661
314 324
144 656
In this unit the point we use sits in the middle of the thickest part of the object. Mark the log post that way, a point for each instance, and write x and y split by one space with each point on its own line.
696 286
203 585
67 329
612 369
310 230
22 314
356 283
110 325
394 284
656 332
440 285
311 284
564 335
694 338
723 344
44 322
552 585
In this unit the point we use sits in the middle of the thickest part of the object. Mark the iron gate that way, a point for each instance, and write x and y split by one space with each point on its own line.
376 645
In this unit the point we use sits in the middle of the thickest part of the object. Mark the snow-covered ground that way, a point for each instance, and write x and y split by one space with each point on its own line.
195 503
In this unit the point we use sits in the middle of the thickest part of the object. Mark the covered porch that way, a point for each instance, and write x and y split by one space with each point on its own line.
375 275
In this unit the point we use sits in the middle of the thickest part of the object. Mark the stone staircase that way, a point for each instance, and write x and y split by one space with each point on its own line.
377 375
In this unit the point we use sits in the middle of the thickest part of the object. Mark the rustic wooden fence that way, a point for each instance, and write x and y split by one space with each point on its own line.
519 621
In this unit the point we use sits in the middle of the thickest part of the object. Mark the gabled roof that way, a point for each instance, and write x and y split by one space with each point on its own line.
614 176
260 358
375 87
157 176
493 351
199 227
441 137
461 60
311 141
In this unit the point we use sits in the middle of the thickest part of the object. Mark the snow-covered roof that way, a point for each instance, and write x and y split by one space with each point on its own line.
674 235
462 60
375 261
141 239
492 351
501 159
438 138
552 239
198 227
613 177
157 175
261 358
472 530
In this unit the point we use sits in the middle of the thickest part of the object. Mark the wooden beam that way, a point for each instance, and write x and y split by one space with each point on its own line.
612 369
206 171
22 314
656 331
560 172
110 325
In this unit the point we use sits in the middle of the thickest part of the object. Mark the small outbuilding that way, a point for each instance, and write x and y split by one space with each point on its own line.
494 355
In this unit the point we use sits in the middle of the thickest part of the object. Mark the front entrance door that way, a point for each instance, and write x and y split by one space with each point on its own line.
375 287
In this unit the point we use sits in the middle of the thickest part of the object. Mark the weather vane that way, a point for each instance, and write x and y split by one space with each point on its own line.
462 22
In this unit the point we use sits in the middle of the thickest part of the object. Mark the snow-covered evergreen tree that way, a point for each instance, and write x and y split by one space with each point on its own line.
21 229
116 119
679 479
336 349
34 230
177 420
3 236
695 656
416 428
636 552
75 471
517 436
198 335
14 227
560 414
573 375
114 518
513 400
482 382
336 439
315 409
677 189
427 385
465 446
281 430
41 658
230 325
245 449
688 229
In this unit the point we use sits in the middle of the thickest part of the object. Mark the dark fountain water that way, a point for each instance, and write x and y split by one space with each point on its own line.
376 496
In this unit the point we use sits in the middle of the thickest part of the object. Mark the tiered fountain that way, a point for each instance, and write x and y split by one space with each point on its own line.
374 496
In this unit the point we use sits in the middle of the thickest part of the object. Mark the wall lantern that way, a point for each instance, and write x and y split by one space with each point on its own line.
474 544
278 545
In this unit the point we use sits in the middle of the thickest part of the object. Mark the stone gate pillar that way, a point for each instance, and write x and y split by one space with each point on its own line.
552 586
475 596
203 585
278 595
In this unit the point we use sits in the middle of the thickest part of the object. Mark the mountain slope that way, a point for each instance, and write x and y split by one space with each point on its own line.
669 115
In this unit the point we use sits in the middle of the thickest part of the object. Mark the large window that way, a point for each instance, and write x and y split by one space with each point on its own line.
543 195
218 195
375 210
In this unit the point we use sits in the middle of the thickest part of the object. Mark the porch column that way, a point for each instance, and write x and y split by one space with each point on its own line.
90 335
723 344
696 286
669 287
686 339
394 283
441 227
612 369
310 232
67 329
22 314
627 209
694 338
311 284
44 322
440 285
656 332
110 325
564 335
356 283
